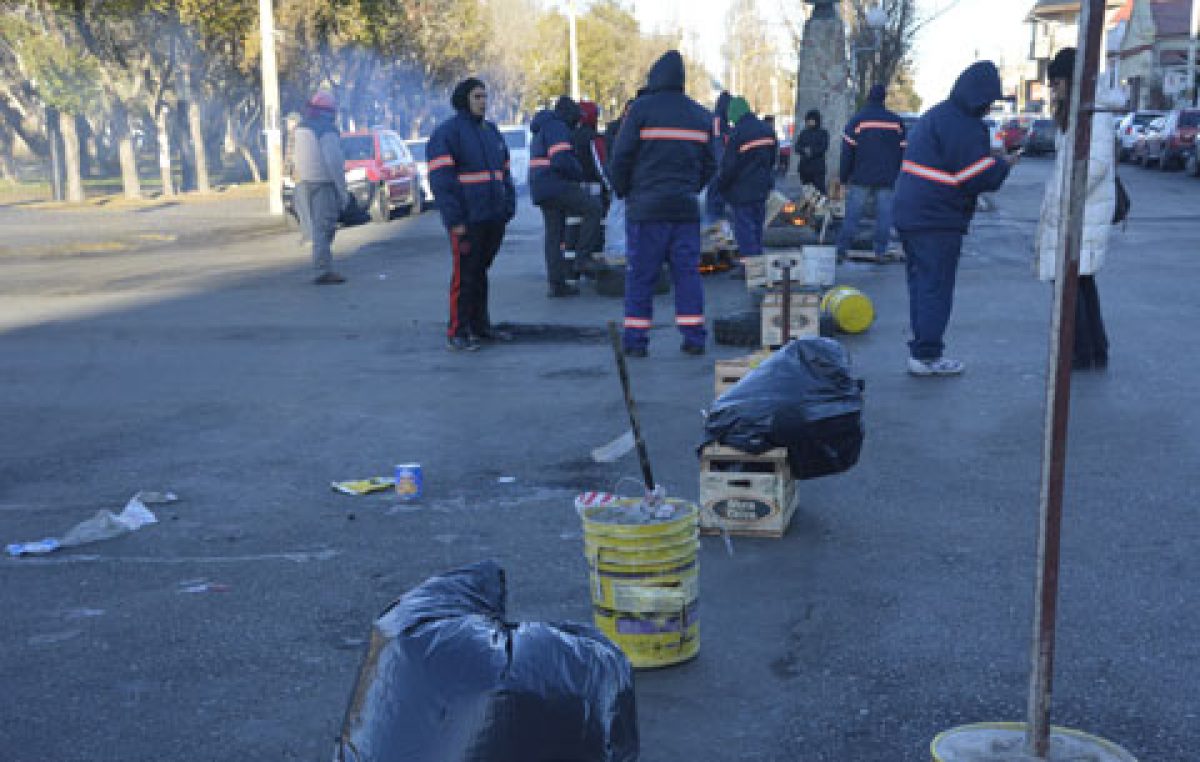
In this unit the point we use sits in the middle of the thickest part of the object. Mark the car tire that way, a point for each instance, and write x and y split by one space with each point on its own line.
1193 166
1164 162
381 208
742 329
418 200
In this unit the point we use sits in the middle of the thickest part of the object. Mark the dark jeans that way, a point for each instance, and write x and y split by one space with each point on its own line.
473 256
856 200
748 222
931 264
573 202
1091 342
814 176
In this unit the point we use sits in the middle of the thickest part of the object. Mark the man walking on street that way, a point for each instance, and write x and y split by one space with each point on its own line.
664 155
320 194
947 165
469 175
872 148
555 175
746 176
811 145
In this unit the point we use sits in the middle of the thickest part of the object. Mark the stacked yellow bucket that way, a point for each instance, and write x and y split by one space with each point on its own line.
644 576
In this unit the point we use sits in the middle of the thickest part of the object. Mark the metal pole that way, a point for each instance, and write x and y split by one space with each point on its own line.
271 122
574 51
1191 88
614 337
1058 385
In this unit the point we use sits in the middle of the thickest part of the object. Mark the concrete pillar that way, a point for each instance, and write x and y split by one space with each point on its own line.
823 78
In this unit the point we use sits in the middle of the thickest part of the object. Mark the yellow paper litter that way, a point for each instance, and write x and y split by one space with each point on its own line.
364 486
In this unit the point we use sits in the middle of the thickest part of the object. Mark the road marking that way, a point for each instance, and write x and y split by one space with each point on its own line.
298 556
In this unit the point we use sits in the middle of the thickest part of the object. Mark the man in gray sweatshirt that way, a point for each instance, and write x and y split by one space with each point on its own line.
320 182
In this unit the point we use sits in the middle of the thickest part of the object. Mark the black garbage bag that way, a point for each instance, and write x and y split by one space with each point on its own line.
446 679
802 398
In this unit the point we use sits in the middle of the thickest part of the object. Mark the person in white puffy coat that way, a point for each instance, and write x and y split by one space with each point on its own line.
1091 342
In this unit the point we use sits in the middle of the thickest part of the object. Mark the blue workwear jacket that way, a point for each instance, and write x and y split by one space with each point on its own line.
469 173
872 147
553 165
949 161
748 167
665 152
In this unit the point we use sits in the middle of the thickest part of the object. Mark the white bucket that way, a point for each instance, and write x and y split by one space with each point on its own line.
820 265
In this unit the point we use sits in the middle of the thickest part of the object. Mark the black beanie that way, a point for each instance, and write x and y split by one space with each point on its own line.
459 99
1063 65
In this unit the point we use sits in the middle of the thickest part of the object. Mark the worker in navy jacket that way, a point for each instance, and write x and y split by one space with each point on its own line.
664 156
555 175
947 165
747 176
872 149
469 176
714 203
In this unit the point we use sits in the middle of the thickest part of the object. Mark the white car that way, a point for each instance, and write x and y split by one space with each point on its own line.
1130 127
516 137
417 149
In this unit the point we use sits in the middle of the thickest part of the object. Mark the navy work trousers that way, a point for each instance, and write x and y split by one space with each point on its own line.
931 264
650 245
748 222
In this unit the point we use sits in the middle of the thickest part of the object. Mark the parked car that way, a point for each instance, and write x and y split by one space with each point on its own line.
993 127
1167 147
1137 154
516 137
1191 164
1129 128
361 191
390 170
1013 131
417 149
1039 138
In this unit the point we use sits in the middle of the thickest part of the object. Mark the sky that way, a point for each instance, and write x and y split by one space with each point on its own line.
969 29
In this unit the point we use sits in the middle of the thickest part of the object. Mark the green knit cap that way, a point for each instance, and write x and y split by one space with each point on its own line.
738 107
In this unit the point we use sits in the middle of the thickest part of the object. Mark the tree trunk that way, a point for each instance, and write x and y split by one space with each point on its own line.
8 164
199 151
70 138
249 157
126 153
162 121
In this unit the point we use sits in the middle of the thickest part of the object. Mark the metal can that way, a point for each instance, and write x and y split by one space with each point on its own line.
410 482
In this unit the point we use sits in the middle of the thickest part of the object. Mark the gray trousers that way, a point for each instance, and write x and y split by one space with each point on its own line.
573 201
318 208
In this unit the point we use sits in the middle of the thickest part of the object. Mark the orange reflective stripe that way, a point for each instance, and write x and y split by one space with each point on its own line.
689 320
539 163
498 174
471 178
672 133
638 323
760 143
850 140
928 173
716 126
441 161
558 148
977 168
876 126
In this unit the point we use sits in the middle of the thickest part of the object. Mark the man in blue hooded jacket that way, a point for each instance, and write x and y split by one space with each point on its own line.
469 175
872 147
664 156
747 176
554 185
714 202
947 165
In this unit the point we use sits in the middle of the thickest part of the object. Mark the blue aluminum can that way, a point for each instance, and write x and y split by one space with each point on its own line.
410 482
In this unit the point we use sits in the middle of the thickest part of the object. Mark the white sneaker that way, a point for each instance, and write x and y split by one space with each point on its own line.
943 366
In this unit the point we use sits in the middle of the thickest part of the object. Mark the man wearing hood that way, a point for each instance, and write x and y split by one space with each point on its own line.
320 173
747 176
947 165
555 175
811 145
714 203
469 175
665 154
872 147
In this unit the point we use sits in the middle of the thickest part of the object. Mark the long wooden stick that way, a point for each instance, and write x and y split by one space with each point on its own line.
1058 385
643 457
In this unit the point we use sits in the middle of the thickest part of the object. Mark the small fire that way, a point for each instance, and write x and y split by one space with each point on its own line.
799 222
789 208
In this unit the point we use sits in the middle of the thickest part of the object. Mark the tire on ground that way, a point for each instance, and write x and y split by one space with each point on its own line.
742 329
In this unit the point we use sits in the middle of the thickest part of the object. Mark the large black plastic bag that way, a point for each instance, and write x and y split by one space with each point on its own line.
802 398
446 679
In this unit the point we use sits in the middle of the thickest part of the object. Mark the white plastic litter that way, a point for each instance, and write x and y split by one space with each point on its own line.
103 526
614 450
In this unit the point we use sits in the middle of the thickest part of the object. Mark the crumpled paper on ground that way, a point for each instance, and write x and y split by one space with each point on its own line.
103 526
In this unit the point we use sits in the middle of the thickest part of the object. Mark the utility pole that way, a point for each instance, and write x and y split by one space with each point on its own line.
574 51
271 122
1191 61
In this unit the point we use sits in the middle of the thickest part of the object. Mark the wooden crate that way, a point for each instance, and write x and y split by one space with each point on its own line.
729 372
744 494
805 317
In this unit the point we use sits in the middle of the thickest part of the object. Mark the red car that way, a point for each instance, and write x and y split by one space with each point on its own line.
1013 132
389 169
1168 139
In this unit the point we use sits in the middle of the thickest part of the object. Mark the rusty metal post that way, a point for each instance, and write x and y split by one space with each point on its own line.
787 302
1058 385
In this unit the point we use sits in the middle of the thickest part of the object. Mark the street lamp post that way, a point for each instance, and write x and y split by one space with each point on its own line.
1191 60
876 19
270 84
574 51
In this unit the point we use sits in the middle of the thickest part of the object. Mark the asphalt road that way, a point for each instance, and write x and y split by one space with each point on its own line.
898 605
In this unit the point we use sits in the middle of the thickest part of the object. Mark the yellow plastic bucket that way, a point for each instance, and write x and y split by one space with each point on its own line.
644 580
984 741
850 309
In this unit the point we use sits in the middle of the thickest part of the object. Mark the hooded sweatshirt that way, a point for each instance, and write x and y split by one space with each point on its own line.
665 152
468 166
949 161
811 145
588 148
748 167
553 166
872 145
